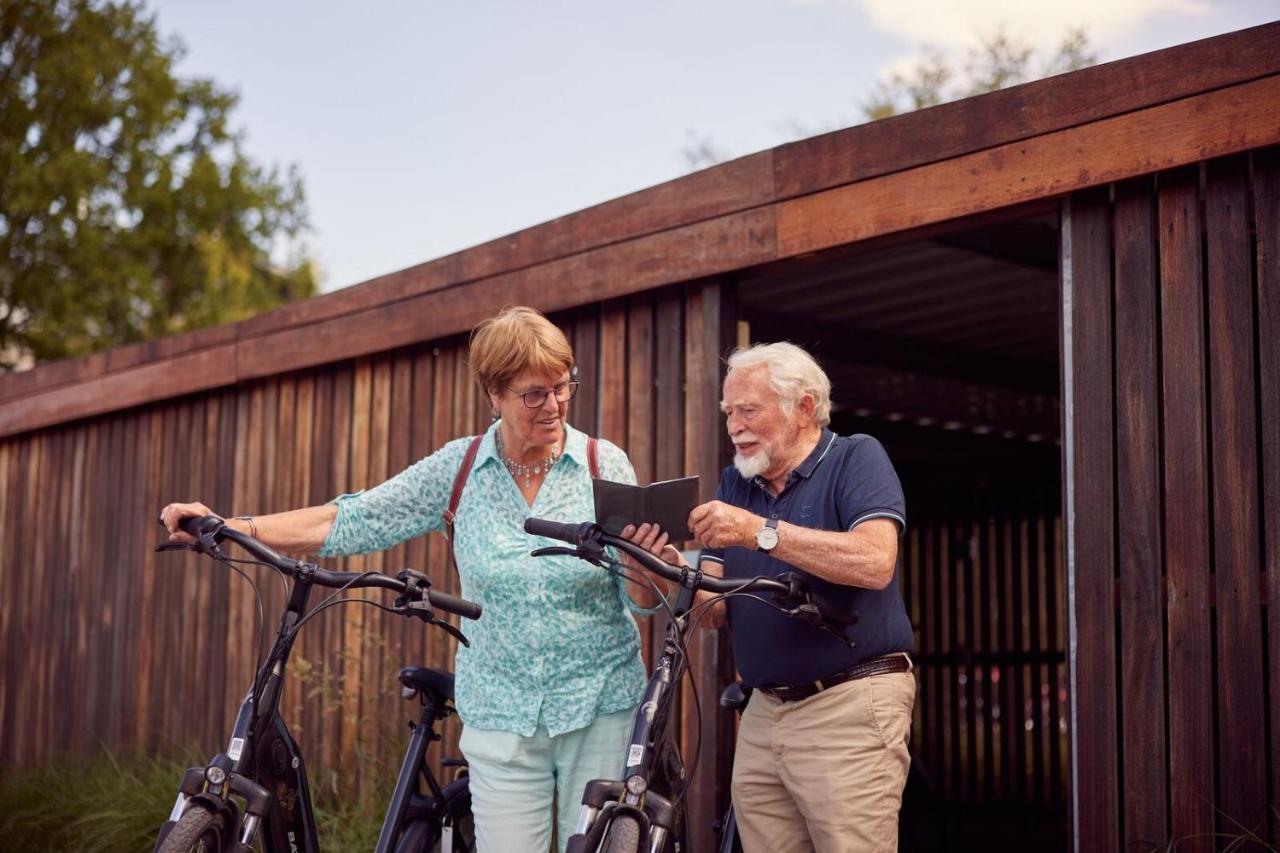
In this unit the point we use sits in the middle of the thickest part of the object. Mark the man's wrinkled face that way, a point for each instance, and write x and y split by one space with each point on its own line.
762 432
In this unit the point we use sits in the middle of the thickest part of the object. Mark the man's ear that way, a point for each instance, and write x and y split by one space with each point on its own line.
806 406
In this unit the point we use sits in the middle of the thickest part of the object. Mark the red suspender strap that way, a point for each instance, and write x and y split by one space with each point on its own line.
459 483
464 470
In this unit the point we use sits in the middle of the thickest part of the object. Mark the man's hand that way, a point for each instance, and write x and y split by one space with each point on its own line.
718 525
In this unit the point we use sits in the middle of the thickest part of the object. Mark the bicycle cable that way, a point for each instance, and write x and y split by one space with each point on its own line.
616 567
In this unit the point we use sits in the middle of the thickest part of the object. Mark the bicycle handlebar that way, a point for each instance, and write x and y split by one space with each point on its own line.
212 525
589 533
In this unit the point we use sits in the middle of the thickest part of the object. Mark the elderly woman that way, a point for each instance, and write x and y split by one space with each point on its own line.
547 690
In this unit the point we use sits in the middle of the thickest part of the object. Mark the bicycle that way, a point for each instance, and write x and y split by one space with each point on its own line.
263 765
644 810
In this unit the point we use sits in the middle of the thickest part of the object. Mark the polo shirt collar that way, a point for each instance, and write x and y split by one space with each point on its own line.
805 469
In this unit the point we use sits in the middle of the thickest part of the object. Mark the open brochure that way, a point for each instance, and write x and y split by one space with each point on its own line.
666 504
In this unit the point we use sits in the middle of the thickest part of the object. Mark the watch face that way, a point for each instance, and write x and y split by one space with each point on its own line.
766 538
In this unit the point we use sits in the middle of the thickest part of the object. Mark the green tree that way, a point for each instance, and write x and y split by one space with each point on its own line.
998 61
128 209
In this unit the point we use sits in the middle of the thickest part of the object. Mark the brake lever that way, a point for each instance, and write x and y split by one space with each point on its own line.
175 546
587 551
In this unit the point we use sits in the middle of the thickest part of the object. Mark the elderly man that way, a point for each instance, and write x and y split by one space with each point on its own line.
822 750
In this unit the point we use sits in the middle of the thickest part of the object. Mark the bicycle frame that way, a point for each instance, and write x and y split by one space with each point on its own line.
652 756
654 770
263 763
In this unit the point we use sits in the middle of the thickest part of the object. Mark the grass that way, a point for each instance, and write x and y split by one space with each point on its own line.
116 803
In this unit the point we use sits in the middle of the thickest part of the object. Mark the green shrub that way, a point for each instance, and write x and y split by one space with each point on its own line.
117 803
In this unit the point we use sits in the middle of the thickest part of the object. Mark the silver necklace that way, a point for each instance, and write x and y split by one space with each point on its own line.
519 469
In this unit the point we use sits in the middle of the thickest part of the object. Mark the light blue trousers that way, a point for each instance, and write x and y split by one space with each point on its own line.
513 779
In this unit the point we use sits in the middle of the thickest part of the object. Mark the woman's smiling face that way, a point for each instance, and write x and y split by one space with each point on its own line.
542 426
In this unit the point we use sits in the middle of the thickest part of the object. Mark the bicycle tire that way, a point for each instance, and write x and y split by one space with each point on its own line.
623 836
199 830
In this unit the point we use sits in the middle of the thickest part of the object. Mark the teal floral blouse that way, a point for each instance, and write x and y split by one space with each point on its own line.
556 644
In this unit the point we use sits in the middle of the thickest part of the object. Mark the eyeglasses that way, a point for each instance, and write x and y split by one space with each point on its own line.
536 398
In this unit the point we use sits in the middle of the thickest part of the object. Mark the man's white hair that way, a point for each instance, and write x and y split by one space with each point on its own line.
792 374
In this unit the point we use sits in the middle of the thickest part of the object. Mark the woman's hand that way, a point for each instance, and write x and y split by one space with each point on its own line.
651 538
173 514
654 540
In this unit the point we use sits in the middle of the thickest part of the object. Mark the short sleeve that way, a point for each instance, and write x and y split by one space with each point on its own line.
869 486
409 504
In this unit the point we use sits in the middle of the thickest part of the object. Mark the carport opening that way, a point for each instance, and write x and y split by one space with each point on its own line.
945 347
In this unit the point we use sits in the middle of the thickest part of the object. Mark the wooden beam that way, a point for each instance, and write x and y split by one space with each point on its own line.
1224 122
1023 112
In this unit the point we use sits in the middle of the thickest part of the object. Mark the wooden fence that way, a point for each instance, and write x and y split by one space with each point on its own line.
1172 300
108 644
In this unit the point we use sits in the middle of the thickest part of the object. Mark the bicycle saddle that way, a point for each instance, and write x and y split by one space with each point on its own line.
429 680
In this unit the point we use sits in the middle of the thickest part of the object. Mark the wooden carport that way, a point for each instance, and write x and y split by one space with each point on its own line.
1158 175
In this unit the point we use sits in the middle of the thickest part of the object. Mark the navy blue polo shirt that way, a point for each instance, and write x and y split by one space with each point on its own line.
842 483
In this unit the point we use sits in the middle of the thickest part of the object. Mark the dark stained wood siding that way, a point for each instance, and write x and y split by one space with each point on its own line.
160 647
1170 298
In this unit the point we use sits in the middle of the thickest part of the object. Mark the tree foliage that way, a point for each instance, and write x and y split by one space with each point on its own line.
998 61
128 209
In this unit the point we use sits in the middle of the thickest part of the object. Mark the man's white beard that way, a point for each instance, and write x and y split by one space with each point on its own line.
754 465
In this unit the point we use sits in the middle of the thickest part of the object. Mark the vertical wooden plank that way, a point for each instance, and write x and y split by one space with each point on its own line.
669 388
317 717
1186 536
342 479
1236 533
353 645
1266 204
585 412
1087 416
374 705
710 323
640 422
613 372
1138 504
1035 649
990 627
420 406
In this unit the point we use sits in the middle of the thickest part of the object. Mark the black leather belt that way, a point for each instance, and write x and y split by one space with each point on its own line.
876 666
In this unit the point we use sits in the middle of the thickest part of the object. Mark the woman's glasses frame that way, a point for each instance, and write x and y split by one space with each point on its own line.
537 397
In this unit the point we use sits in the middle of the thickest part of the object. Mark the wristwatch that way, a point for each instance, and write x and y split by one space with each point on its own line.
767 536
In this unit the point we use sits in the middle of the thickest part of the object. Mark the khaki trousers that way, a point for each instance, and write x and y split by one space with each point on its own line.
825 773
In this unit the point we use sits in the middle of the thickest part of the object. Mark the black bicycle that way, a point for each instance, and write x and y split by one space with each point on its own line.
644 809
262 767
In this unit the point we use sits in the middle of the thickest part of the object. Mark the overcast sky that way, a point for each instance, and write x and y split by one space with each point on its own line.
421 128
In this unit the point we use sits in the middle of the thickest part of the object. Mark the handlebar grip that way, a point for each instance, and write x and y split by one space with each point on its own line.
574 534
198 524
453 604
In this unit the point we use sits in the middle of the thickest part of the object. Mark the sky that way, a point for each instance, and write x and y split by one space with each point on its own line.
422 127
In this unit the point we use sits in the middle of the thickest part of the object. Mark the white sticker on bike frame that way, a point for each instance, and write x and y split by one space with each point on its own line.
236 747
635 754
